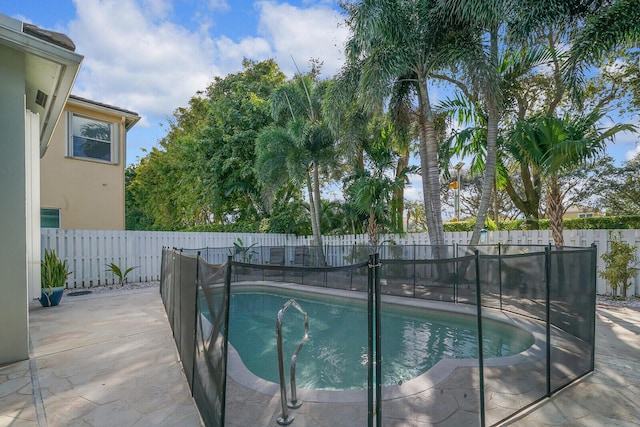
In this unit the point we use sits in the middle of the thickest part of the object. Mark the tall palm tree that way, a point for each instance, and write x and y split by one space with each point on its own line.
402 41
354 127
468 108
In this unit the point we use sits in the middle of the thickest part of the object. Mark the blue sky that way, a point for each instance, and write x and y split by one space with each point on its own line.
152 56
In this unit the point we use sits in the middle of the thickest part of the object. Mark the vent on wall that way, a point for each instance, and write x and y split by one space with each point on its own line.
41 98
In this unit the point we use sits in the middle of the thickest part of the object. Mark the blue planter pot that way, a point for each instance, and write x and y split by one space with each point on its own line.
54 297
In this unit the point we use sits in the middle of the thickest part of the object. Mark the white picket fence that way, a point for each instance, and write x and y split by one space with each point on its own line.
89 251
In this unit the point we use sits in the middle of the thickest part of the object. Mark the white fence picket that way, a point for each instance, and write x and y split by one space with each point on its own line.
90 251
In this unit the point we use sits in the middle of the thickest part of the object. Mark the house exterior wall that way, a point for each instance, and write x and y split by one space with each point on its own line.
580 212
89 194
14 320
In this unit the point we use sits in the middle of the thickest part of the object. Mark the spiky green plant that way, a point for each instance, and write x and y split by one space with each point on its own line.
121 275
53 272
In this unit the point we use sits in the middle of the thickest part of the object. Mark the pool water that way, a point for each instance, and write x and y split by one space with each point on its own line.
335 356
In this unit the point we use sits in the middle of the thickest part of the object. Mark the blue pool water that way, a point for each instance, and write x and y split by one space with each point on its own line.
335 356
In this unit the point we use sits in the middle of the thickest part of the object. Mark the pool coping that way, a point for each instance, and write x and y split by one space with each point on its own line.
429 379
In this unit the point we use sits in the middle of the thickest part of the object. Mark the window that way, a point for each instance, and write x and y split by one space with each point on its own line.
585 215
92 139
49 218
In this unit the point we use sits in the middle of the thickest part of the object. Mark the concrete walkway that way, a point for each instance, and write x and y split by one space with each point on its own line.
110 360
99 360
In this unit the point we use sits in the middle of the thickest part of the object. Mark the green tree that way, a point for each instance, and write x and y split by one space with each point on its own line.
555 145
301 141
201 173
615 189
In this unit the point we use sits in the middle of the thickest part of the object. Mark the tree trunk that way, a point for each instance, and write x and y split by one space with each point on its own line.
318 212
372 230
489 179
397 202
430 168
530 205
555 210
317 237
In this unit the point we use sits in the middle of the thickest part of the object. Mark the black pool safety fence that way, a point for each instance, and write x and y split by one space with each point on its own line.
445 336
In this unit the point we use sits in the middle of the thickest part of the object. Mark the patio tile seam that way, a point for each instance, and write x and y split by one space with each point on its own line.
41 415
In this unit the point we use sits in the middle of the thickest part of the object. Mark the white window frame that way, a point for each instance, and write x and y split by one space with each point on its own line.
114 153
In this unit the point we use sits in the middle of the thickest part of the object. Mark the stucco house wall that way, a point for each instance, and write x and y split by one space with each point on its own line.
88 193
37 70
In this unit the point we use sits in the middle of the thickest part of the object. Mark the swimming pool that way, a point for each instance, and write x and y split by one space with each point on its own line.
334 358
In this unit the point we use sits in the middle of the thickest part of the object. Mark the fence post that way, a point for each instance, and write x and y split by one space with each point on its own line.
547 279
378 345
594 288
370 292
500 272
480 349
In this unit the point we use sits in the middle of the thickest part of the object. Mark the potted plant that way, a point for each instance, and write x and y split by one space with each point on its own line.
53 272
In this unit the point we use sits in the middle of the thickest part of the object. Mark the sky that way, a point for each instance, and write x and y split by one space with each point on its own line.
152 56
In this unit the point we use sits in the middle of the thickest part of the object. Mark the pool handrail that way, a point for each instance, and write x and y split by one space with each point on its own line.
285 419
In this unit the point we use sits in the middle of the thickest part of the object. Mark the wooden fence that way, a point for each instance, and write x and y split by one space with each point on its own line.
89 251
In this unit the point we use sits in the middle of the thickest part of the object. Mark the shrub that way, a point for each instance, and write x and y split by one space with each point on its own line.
620 264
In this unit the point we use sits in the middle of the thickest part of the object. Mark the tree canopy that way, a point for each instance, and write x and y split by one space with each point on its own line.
527 87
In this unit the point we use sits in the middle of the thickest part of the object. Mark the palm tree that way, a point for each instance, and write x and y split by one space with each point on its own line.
301 142
468 108
555 145
480 62
398 44
371 191
352 125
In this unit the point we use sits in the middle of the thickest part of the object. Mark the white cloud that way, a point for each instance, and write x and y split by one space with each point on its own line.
220 5
303 33
413 191
136 59
629 155
249 47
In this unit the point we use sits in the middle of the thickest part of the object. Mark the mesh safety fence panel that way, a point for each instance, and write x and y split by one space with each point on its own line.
184 318
517 284
166 272
572 308
209 370
424 279
194 296
514 352
429 355
331 369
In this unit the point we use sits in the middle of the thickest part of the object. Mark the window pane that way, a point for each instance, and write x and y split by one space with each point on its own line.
92 129
92 139
50 218
83 147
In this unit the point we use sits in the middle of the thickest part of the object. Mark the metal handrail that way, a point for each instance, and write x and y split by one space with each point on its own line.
285 419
